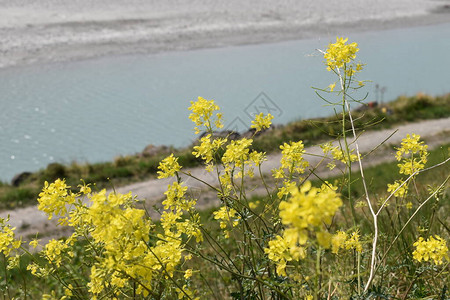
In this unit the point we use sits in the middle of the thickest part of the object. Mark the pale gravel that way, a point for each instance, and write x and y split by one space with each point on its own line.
61 30
30 220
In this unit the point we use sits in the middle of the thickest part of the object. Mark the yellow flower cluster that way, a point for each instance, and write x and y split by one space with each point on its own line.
344 157
291 160
175 197
288 185
119 234
413 156
402 188
8 242
434 248
342 240
338 154
278 252
305 211
416 150
237 152
227 216
168 166
340 53
202 114
262 122
170 247
309 206
208 148
55 250
122 232
55 198
238 161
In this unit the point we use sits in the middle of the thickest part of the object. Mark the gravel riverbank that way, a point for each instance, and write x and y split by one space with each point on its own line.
63 30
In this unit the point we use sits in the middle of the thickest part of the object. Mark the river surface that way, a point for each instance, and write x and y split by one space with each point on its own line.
95 110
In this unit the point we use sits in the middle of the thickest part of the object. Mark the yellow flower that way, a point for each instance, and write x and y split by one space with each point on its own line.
307 209
202 114
292 159
343 156
338 241
207 148
278 251
309 206
34 243
285 189
168 166
340 53
434 248
85 188
227 216
13 262
343 240
324 239
402 189
258 157
237 152
413 154
7 238
262 122
253 205
175 198
326 148
55 197
53 251
332 86
67 292
353 242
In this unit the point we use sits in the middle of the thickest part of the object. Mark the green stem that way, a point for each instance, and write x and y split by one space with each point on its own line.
347 149
318 274
359 275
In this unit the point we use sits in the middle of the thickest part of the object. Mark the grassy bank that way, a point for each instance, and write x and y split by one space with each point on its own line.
211 280
134 168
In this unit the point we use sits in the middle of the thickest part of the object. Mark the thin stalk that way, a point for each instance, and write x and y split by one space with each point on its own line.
374 215
413 215
272 287
359 275
409 178
6 277
345 107
24 283
317 280
264 182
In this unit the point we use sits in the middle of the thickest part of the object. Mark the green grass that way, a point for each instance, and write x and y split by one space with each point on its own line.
217 284
432 216
402 110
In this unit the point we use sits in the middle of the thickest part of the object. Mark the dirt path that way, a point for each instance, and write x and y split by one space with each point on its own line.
435 132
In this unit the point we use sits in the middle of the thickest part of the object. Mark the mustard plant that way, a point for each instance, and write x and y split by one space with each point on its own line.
293 242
